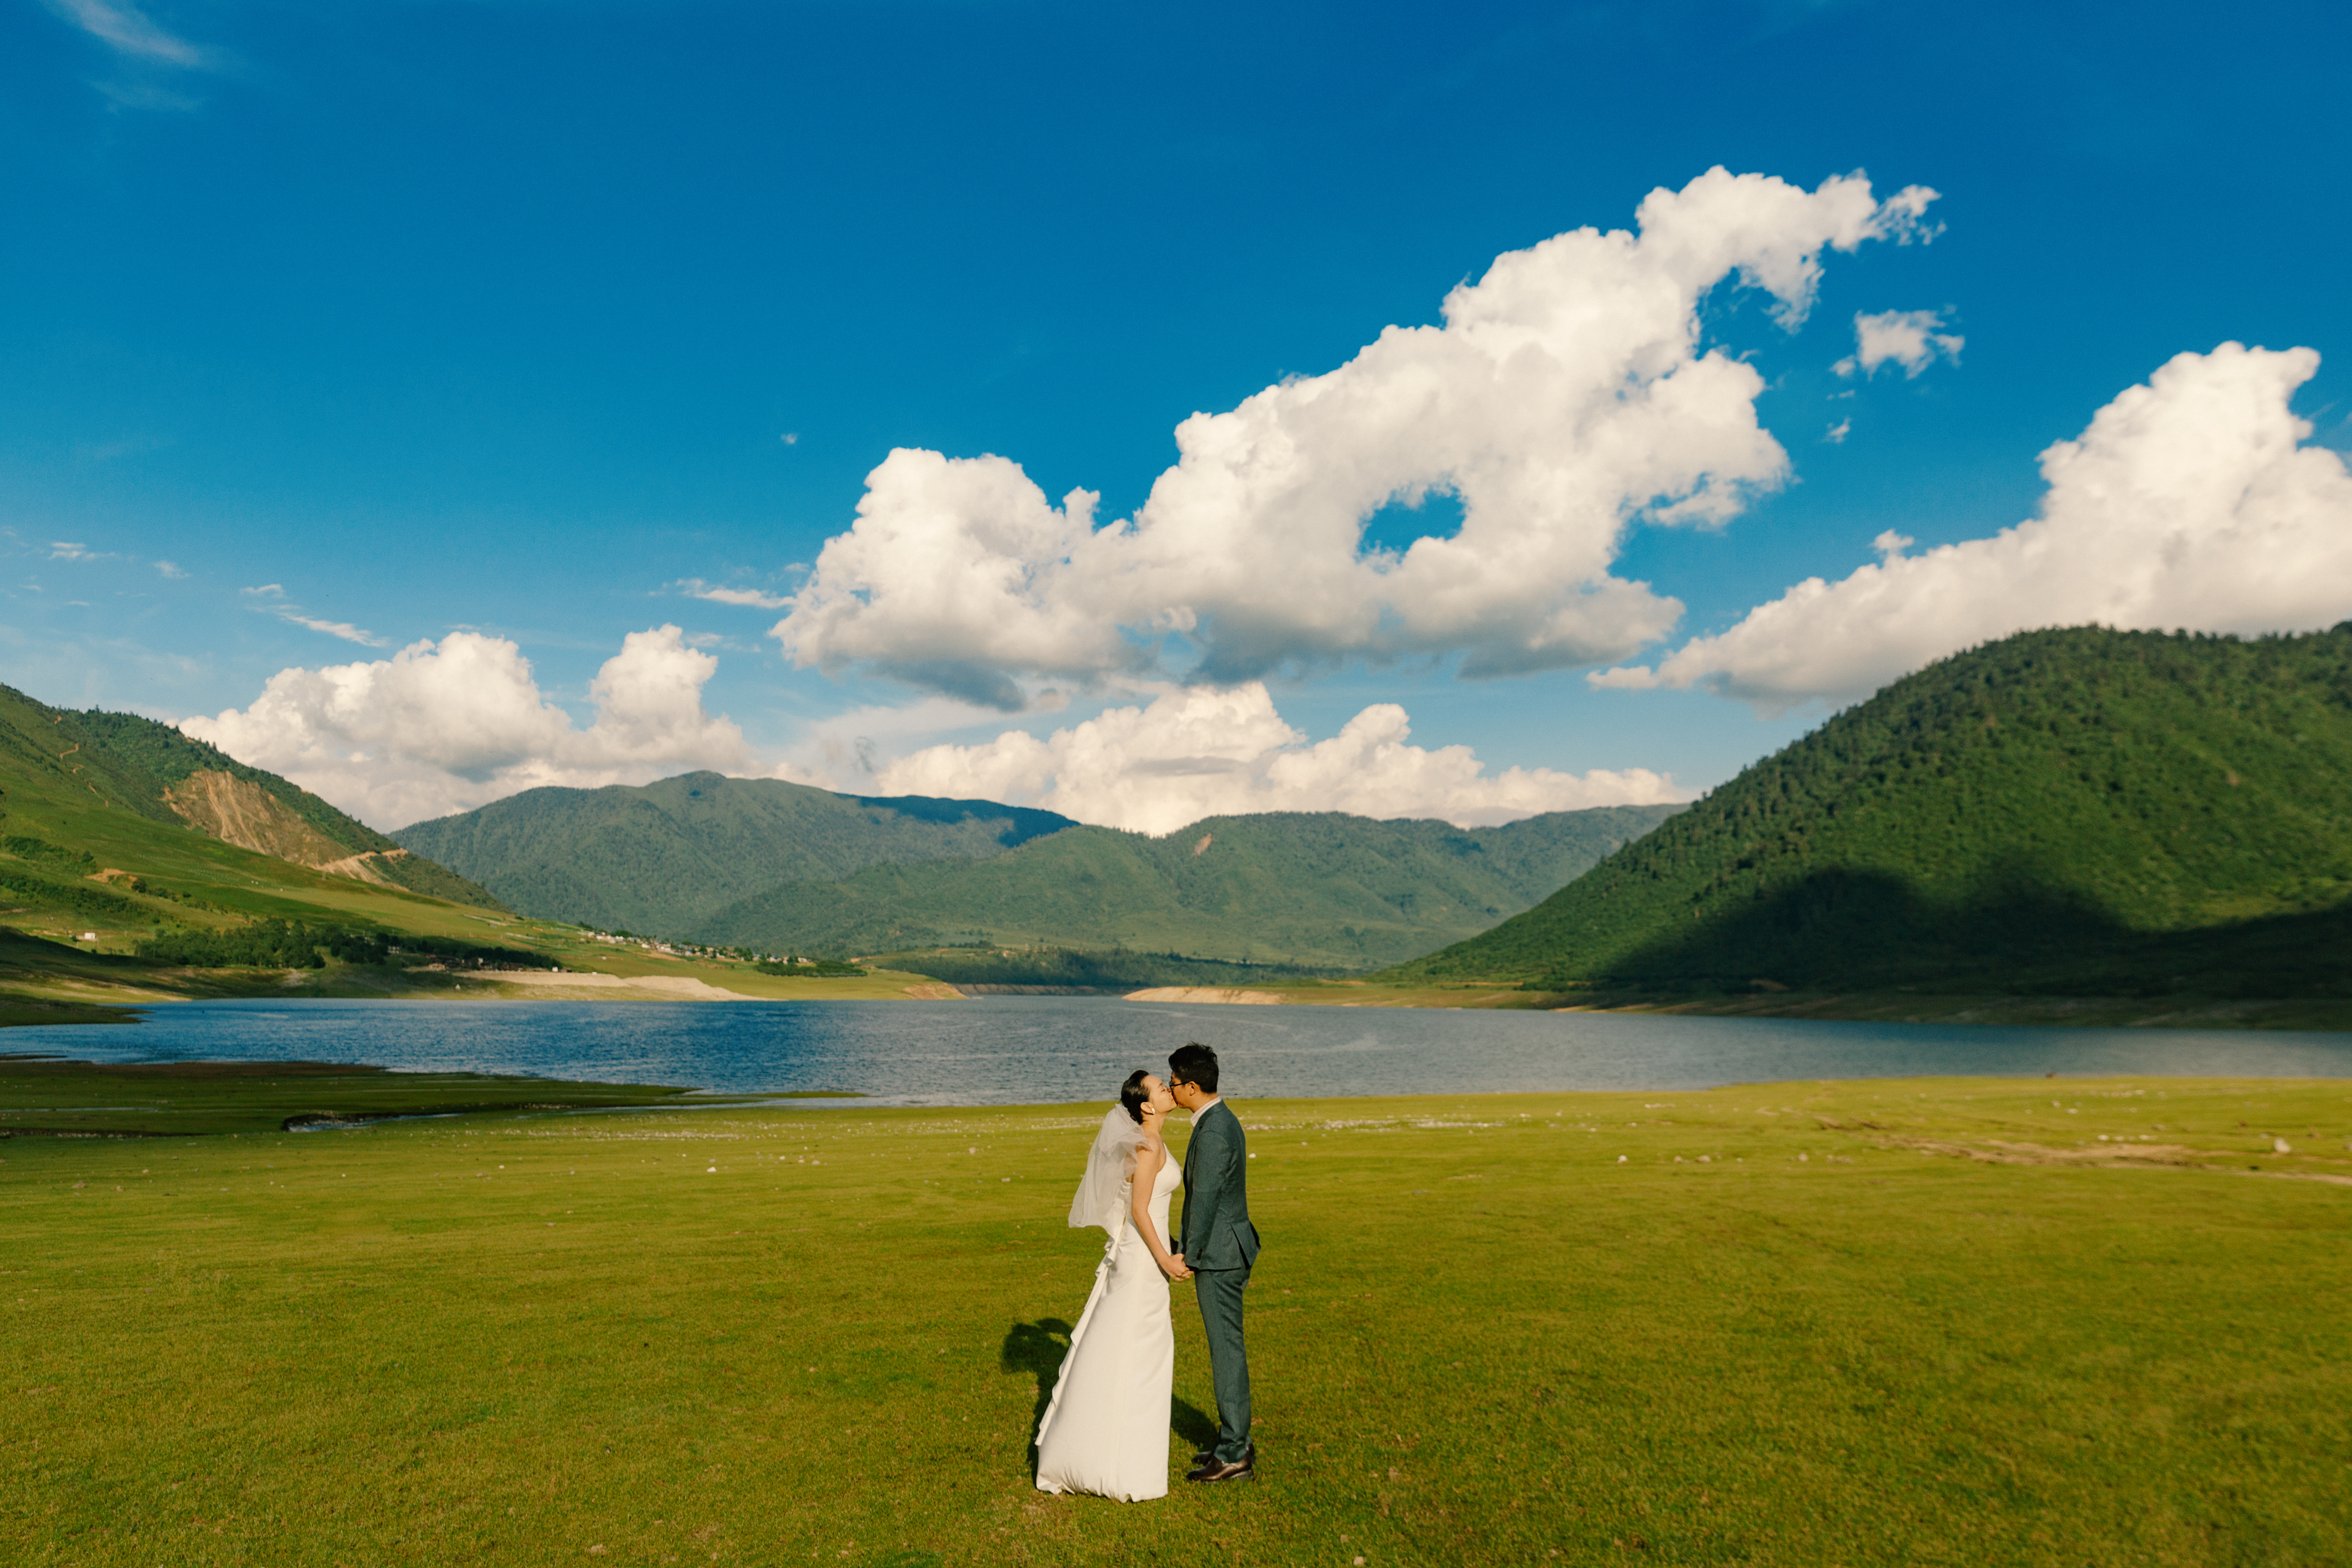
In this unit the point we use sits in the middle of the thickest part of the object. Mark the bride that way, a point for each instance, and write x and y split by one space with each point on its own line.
1106 1430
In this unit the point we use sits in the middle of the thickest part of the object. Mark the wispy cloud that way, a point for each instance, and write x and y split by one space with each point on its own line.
69 550
342 630
147 95
14 544
108 451
149 57
751 598
292 615
131 31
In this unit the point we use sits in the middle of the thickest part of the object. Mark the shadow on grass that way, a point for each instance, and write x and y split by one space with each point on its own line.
1195 1427
1037 1348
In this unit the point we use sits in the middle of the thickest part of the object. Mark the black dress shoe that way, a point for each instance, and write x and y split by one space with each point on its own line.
1241 1469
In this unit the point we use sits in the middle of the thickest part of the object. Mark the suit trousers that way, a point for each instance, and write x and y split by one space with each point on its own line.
1220 1291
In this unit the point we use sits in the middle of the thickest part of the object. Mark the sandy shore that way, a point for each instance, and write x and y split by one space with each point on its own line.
641 987
1206 993
662 987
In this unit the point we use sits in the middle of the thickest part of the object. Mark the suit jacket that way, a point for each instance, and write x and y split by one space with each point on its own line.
1217 1233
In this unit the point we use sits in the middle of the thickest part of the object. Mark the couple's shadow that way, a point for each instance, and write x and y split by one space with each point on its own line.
1037 1348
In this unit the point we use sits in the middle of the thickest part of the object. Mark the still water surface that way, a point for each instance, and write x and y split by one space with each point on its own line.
1005 1050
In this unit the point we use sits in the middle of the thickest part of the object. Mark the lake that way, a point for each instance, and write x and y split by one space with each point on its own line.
1011 1050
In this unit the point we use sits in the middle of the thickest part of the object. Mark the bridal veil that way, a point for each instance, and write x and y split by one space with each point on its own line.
1110 1167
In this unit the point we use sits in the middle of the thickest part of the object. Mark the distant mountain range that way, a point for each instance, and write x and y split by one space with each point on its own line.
671 858
1312 890
2072 813
2081 812
777 866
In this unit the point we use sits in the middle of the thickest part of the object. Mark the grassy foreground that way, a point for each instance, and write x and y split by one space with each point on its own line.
1953 1322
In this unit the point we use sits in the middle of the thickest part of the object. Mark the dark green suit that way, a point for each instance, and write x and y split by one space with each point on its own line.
1219 1245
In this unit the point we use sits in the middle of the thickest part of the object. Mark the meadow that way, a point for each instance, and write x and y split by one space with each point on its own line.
1952 1321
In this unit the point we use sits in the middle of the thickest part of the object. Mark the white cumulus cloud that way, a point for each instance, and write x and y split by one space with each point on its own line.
2190 502
1566 395
1196 752
1912 339
447 726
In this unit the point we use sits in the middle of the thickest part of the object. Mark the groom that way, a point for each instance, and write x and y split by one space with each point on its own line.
1219 1245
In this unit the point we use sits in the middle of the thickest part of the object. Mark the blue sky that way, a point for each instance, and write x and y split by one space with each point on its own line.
401 321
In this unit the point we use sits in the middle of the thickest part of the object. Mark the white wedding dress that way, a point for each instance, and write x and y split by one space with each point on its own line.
1106 1431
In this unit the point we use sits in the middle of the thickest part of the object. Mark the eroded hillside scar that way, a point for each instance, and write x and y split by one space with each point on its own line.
240 812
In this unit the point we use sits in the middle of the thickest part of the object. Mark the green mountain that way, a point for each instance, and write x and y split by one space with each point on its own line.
122 825
2080 812
665 859
1323 889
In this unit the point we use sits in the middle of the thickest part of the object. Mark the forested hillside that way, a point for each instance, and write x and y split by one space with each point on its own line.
665 857
124 827
2083 810
152 771
1321 890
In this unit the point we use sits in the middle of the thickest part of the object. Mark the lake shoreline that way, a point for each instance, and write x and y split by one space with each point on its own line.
43 985
1881 1007
1050 1049
82 1002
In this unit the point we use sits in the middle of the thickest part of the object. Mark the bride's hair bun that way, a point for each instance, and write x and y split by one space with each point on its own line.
1134 1094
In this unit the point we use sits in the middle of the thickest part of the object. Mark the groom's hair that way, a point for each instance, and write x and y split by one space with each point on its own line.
1134 1094
1195 1064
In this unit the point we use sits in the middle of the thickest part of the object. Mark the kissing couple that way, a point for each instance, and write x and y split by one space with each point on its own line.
1106 1430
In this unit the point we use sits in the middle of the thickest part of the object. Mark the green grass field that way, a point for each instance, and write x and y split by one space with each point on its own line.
1955 1321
